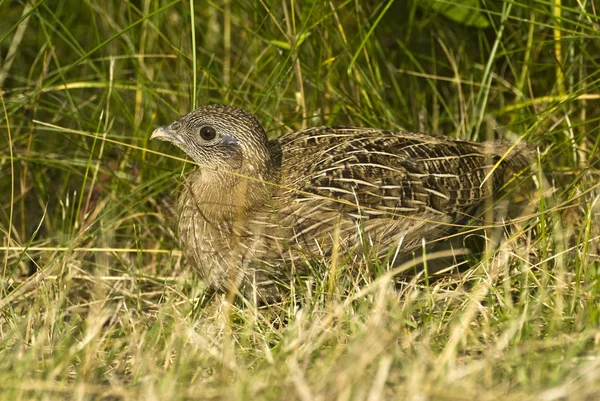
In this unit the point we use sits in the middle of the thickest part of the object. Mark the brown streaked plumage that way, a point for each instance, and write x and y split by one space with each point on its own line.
378 188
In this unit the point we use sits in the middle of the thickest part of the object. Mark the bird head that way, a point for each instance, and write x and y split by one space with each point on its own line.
220 137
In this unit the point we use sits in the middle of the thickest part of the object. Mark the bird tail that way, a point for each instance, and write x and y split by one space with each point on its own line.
514 156
512 161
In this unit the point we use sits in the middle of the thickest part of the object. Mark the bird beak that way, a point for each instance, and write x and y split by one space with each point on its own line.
165 133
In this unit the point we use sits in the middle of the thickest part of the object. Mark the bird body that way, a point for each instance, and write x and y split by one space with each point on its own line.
254 209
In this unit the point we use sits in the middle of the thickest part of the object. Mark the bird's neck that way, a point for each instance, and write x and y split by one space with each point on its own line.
220 196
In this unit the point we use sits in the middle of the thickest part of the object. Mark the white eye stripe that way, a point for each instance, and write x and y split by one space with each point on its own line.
229 140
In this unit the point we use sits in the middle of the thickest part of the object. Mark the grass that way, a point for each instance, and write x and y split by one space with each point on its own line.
97 302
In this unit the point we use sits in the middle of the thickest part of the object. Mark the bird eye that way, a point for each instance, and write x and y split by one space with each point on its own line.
208 133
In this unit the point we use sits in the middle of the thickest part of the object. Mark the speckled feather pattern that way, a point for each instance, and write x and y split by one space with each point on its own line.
377 188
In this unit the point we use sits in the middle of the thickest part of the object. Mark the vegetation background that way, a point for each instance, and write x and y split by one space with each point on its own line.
96 302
